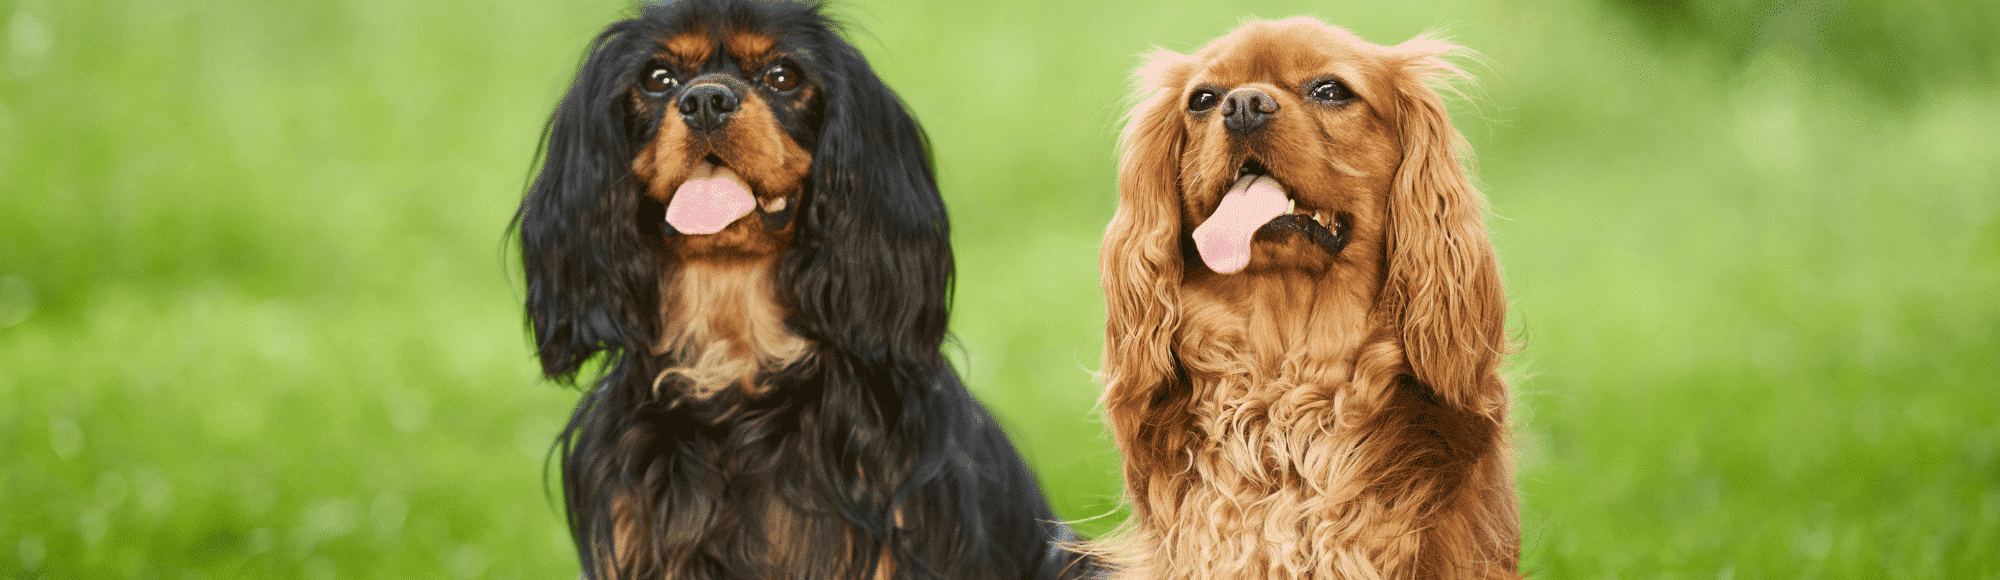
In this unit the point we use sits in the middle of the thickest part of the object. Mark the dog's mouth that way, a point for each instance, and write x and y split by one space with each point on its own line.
714 196
1255 206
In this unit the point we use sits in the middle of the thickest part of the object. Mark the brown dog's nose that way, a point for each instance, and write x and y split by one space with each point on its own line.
707 106
1245 111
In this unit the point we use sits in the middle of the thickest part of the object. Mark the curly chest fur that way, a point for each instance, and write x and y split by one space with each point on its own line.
1296 431
723 325
1294 326
1322 480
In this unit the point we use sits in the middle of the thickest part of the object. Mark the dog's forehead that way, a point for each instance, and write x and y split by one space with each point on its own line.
1286 52
692 50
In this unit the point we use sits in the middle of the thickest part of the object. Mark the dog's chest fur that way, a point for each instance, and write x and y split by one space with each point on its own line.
730 473
1267 326
737 506
1300 444
723 326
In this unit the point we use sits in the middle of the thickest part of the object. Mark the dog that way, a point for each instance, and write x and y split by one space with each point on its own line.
1304 319
735 235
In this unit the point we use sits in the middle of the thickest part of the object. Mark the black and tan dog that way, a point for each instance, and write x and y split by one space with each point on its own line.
739 223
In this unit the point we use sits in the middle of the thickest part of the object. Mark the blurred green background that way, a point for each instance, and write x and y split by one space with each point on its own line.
257 318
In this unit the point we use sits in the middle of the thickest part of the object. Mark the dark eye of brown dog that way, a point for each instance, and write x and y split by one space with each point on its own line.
1332 91
781 77
657 81
1202 100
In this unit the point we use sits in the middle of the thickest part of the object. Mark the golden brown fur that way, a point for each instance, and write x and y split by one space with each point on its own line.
729 328
1315 415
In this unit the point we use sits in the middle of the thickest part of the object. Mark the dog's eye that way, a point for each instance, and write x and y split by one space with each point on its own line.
1332 91
658 80
1202 100
781 77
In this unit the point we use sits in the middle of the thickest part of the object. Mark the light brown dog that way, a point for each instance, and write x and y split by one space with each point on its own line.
1305 319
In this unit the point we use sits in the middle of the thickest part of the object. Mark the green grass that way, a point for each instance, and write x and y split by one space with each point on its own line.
257 319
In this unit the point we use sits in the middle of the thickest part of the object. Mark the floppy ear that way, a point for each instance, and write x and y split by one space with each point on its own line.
593 284
1443 283
1141 265
871 269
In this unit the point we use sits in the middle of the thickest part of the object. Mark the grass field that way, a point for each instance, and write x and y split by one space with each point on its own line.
257 319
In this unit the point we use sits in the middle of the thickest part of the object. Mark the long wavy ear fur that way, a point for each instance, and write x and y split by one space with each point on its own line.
1443 282
593 283
871 274
1141 263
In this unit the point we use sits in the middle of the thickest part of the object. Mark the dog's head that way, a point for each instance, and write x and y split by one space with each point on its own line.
1293 149
733 130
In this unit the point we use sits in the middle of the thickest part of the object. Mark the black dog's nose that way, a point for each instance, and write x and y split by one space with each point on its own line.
1245 111
706 107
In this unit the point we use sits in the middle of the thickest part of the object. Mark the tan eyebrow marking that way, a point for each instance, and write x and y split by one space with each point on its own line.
689 50
749 46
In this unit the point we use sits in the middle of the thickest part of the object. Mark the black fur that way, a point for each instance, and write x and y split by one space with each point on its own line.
873 425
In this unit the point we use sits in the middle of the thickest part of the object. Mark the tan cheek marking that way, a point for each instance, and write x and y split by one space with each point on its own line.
664 161
764 154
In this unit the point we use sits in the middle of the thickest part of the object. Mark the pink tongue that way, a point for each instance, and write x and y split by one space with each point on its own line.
708 203
1224 240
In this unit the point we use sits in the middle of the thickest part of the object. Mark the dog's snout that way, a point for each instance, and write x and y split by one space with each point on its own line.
1244 111
707 106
